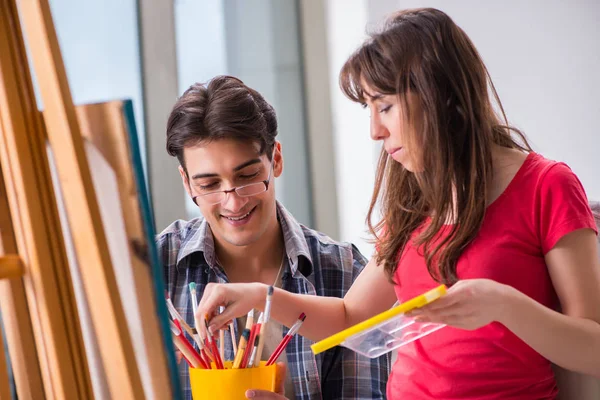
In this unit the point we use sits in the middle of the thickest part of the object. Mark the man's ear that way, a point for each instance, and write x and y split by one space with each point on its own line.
277 160
185 180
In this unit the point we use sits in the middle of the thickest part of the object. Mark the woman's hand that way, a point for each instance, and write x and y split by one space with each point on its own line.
469 304
237 298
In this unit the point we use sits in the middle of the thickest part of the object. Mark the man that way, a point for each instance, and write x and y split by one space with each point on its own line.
223 135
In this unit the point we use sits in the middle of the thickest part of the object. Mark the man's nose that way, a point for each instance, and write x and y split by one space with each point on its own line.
234 202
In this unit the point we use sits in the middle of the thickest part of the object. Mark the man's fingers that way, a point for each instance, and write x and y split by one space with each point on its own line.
279 387
263 395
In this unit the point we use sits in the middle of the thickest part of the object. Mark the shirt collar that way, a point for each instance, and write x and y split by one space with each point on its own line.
295 241
199 238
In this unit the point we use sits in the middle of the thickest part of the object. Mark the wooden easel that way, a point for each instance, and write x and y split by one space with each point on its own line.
39 308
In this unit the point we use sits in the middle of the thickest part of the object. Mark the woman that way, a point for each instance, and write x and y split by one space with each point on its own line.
466 202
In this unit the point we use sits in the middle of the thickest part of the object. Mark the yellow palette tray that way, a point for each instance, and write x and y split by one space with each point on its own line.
386 331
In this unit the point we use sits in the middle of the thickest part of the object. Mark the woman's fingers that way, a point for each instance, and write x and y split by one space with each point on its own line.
212 299
218 295
236 298
222 321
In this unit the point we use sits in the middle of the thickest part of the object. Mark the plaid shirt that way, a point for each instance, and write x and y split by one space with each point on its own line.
315 265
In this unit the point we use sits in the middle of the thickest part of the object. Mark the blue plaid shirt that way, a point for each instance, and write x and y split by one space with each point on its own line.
315 265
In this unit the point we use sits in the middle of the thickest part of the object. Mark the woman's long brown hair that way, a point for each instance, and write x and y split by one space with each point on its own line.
424 52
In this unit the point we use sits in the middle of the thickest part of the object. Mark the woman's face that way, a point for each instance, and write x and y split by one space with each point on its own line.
389 125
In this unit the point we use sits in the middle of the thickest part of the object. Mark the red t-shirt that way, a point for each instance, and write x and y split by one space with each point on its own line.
542 203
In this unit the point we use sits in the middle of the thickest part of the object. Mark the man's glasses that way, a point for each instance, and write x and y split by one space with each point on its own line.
219 196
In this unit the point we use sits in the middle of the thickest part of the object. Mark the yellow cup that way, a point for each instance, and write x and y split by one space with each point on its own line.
231 384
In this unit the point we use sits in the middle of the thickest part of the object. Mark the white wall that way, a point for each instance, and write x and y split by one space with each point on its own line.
354 158
543 56
99 43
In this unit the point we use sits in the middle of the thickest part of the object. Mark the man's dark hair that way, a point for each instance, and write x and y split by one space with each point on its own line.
225 108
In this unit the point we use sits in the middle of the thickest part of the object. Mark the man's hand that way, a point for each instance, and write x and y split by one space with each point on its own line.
279 387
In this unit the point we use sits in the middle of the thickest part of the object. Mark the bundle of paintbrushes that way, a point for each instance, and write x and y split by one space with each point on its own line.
204 355
247 370
210 352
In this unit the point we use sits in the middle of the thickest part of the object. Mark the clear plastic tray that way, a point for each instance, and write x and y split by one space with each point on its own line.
389 335
386 331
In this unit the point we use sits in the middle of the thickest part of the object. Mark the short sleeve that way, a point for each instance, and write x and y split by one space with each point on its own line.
563 206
